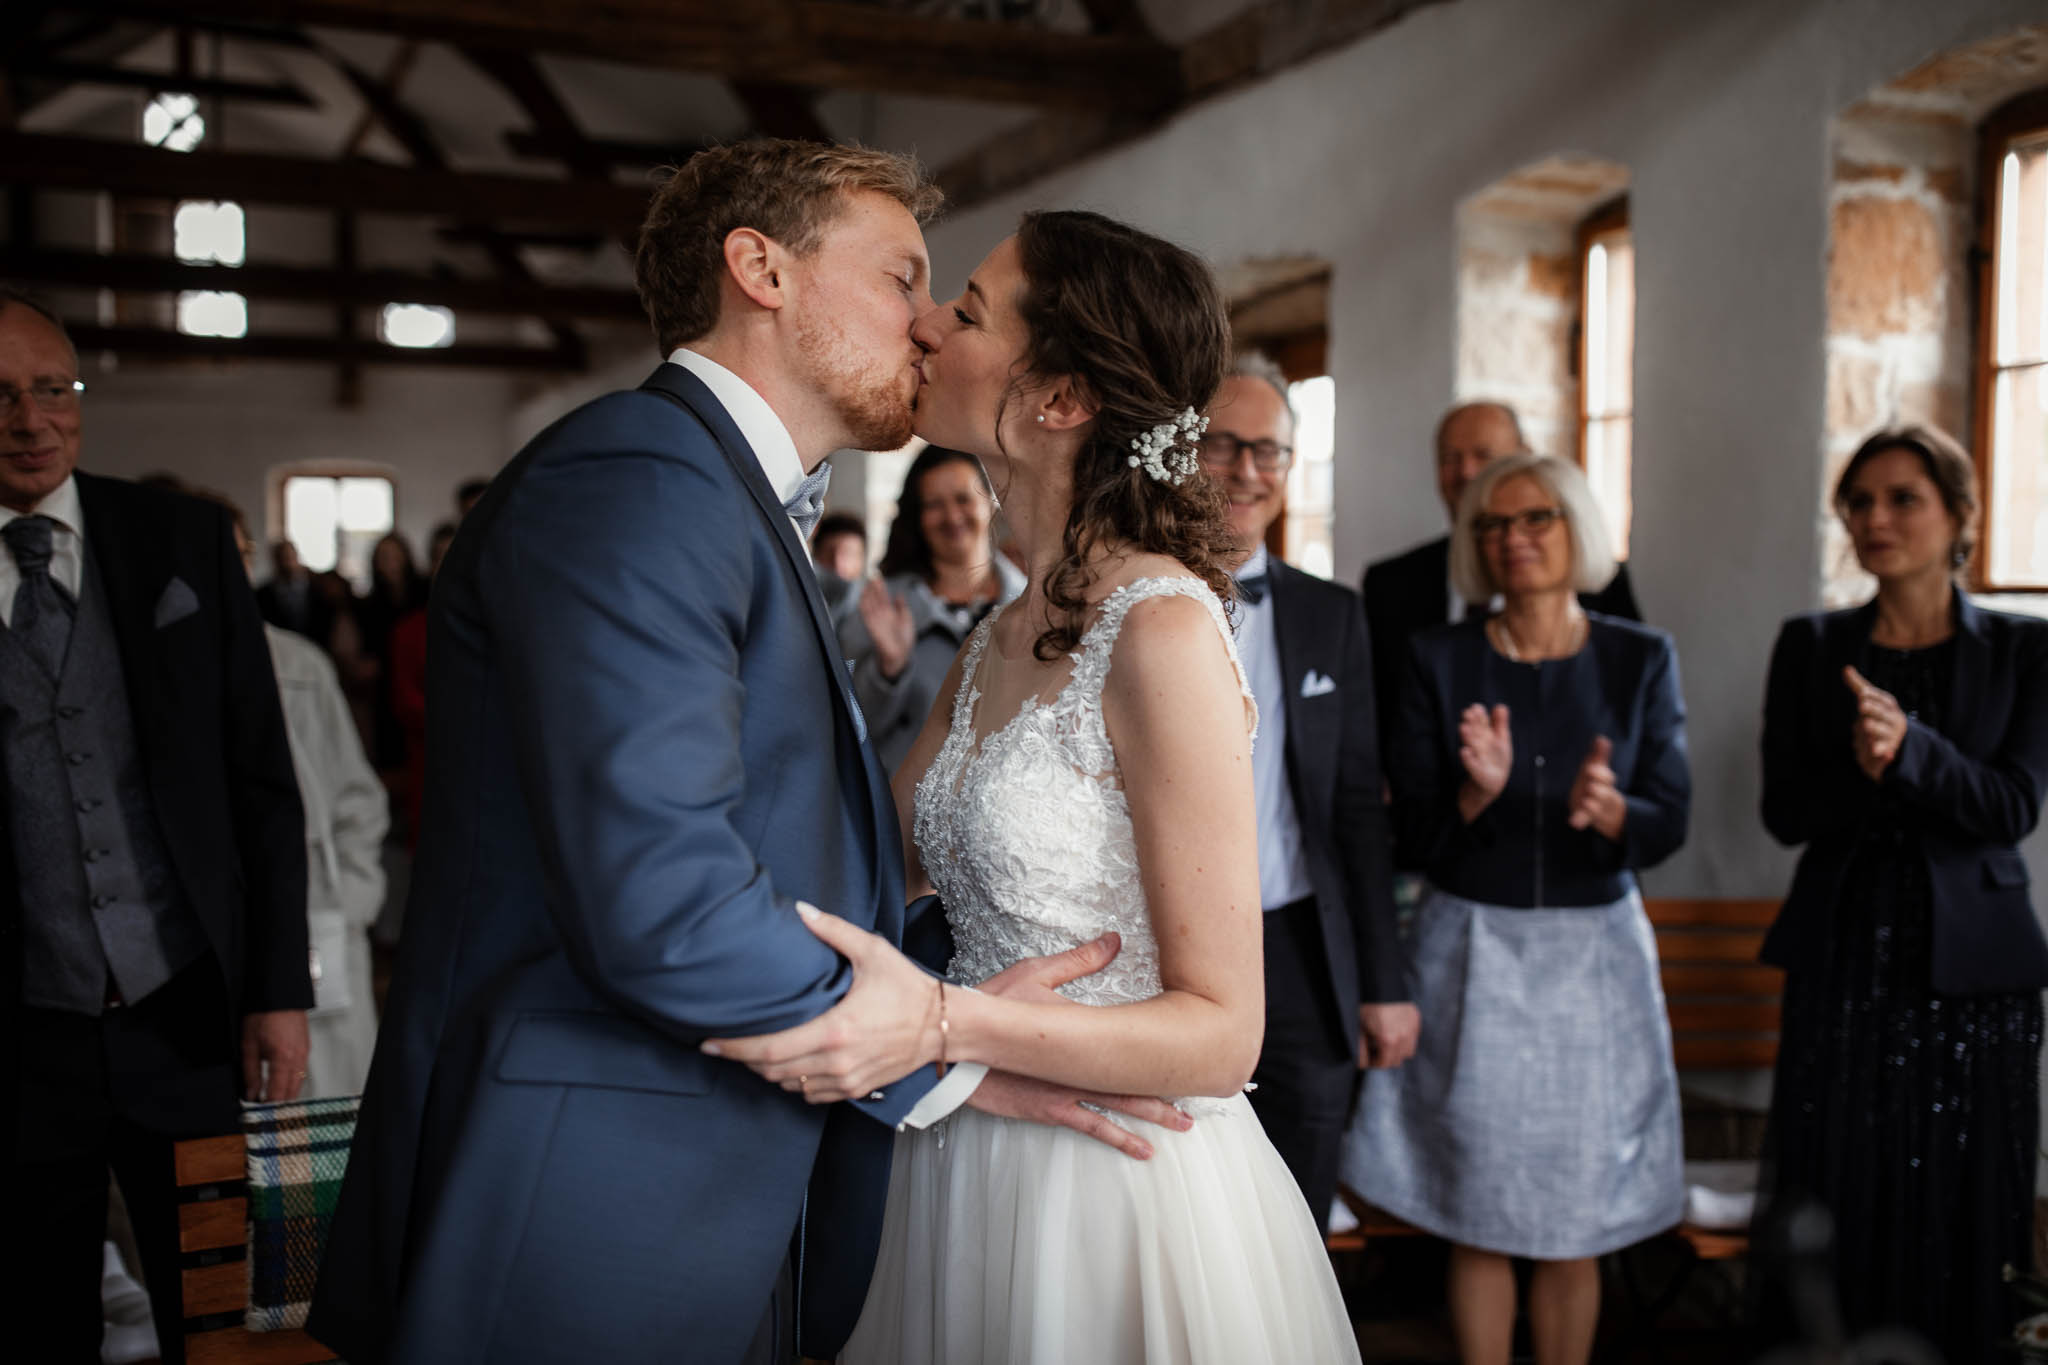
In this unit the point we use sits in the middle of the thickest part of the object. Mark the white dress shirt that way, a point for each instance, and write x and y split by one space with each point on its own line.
774 448
1283 866
67 546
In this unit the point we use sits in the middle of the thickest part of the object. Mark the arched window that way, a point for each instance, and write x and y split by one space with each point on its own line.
1606 363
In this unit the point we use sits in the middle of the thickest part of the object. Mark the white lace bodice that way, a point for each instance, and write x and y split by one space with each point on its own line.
1026 835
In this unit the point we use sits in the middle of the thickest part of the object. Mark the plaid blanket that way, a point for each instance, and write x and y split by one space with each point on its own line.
297 1151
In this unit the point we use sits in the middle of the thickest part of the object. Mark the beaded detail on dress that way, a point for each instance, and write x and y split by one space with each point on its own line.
1026 835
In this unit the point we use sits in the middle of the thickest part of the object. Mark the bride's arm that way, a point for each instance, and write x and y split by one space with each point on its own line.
903 782
1177 721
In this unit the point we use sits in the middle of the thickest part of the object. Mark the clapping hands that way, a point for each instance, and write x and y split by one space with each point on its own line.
1487 750
1596 802
1880 725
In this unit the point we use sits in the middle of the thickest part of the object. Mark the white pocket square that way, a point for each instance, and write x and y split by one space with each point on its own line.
1314 684
177 603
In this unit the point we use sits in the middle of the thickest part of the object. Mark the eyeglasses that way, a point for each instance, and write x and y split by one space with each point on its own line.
1531 523
52 397
1220 451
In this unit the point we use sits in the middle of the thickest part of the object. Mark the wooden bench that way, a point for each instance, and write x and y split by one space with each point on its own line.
213 1232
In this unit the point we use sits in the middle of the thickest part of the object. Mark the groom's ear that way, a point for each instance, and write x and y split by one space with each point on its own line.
756 262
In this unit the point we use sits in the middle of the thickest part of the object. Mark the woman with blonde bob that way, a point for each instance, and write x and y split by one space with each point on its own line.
1539 761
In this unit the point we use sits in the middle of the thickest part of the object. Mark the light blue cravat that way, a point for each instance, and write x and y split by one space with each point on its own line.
807 504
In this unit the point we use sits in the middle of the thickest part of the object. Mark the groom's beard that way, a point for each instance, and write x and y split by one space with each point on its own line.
876 408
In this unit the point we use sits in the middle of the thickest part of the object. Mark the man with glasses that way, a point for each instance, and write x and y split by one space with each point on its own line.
1412 591
153 860
1335 1000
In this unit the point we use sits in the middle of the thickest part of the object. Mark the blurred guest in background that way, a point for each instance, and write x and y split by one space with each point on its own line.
1413 590
940 574
1906 747
289 599
396 589
1335 1000
409 687
839 549
1538 762
468 494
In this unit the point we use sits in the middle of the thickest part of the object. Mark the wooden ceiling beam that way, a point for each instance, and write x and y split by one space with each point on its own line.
206 87
362 288
1266 38
615 151
87 164
779 109
823 44
154 341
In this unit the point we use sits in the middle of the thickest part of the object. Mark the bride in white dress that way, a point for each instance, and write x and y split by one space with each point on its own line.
1086 769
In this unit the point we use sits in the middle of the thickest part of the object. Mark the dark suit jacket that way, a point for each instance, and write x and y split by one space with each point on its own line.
645 750
1334 776
1409 592
1522 851
1976 786
211 735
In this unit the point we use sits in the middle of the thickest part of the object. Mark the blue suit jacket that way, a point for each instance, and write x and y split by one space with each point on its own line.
643 750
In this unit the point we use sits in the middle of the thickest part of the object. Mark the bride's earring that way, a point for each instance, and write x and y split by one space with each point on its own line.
1041 417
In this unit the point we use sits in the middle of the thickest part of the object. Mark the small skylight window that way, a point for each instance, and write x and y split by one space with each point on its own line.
173 120
211 313
419 325
209 232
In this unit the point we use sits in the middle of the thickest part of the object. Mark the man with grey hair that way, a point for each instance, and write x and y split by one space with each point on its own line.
1412 591
1335 998
153 860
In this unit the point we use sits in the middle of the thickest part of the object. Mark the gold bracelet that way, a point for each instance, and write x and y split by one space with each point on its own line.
943 1028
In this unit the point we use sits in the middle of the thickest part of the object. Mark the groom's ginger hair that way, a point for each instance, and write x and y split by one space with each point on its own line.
788 191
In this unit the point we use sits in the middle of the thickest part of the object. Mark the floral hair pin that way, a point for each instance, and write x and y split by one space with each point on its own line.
1167 451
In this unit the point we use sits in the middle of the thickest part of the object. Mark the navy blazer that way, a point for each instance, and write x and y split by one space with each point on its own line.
1977 788
1334 776
1522 851
1409 592
644 750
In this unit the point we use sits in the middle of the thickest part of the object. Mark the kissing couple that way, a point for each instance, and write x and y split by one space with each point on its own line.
669 1070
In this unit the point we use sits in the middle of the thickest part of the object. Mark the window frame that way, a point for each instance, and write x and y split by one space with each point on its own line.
2022 116
281 475
1610 216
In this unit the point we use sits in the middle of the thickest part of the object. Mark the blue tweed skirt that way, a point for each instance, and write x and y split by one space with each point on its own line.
1539 1114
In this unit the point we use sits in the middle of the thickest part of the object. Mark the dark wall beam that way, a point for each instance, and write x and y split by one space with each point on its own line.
1126 17
1266 38
614 151
359 288
207 87
522 78
76 163
151 341
825 44
782 110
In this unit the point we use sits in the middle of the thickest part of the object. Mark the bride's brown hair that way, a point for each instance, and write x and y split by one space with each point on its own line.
1139 325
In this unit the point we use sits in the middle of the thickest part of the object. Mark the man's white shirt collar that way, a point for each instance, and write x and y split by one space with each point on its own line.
750 412
1257 562
61 506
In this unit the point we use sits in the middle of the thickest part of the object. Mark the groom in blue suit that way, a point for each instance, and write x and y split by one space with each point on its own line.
643 755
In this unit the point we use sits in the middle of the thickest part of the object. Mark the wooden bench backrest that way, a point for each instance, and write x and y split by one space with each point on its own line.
213 1218
1723 1002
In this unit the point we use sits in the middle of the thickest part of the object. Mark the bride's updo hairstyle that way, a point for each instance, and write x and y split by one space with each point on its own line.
1138 323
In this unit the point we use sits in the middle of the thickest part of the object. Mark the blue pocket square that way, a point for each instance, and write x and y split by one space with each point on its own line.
177 603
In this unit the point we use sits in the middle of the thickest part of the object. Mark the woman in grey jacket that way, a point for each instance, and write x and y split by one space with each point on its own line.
940 574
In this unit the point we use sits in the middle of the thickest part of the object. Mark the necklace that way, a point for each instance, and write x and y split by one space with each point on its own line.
1497 631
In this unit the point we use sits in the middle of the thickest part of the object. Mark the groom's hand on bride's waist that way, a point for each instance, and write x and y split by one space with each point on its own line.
1010 1096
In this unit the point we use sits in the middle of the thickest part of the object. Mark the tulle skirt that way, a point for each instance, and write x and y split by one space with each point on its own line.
1011 1243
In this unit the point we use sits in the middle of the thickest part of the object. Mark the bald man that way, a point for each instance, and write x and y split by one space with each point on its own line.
1412 590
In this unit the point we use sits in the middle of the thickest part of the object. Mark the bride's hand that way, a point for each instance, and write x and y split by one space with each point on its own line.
1010 1096
885 1027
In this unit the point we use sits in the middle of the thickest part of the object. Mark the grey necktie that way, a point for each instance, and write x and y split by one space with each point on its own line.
42 609
807 504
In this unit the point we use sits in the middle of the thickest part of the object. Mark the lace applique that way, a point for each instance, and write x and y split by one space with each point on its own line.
1026 835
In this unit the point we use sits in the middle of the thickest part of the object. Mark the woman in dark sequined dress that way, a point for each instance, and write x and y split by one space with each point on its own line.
1906 747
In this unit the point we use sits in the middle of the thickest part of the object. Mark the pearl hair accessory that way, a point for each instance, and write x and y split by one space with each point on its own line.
1167 451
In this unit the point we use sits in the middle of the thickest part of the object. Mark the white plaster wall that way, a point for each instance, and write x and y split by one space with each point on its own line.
1722 113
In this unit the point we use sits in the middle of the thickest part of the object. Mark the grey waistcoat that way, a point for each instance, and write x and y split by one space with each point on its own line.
99 896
